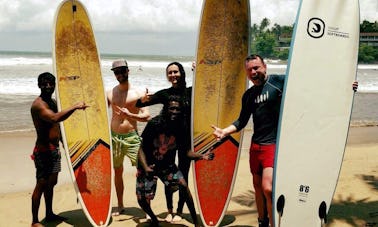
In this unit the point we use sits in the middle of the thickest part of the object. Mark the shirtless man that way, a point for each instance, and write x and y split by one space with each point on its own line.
125 138
46 154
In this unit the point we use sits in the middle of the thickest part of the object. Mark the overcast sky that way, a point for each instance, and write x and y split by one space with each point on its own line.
134 26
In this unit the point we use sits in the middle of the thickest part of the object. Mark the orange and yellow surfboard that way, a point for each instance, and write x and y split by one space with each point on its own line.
218 86
86 134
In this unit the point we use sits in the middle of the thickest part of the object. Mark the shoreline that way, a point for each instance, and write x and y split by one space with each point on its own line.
364 113
357 134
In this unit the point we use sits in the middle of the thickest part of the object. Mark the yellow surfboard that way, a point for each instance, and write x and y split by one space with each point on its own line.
218 86
86 134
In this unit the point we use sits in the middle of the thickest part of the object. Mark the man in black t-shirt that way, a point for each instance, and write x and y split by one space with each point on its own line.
263 101
162 137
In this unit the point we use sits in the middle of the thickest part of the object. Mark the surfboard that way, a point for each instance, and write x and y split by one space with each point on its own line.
86 134
316 110
218 86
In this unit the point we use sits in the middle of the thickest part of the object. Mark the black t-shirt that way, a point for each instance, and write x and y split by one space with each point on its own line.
160 142
263 102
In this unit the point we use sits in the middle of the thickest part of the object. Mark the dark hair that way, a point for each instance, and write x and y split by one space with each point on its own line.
174 98
45 77
164 115
182 82
253 57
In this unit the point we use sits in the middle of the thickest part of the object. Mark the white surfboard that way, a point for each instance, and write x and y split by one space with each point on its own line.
315 111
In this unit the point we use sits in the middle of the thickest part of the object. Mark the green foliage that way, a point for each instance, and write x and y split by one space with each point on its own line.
367 54
367 26
269 41
283 54
265 44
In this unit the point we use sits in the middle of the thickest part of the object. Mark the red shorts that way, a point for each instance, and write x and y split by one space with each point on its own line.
260 157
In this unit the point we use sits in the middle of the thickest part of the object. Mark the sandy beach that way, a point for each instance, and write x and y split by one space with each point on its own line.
355 201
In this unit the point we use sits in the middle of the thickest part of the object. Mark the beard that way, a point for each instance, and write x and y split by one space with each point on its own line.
47 92
258 79
123 79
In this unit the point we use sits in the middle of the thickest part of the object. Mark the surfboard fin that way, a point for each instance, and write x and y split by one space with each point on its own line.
280 205
280 208
323 212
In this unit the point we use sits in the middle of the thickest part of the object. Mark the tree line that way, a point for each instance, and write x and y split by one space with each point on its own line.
274 42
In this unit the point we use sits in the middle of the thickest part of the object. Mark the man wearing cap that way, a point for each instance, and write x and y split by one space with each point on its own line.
125 138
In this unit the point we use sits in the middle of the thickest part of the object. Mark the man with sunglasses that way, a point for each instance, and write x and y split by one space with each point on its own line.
125 115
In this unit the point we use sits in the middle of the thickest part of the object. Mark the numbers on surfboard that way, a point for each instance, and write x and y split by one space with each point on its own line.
304 189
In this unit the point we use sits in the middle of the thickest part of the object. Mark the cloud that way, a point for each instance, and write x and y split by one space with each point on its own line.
112 15
26 15
279 12
284 12
147 15
131 26
369 10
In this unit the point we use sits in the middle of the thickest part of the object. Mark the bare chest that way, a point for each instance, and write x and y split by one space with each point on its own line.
124 99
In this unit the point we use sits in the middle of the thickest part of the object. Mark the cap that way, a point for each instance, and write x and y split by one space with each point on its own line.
119 63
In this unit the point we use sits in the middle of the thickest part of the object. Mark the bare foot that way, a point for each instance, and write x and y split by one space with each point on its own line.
37 224
177 218
119 211
168 218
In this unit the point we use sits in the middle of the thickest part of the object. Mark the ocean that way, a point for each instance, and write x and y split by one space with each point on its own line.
19 72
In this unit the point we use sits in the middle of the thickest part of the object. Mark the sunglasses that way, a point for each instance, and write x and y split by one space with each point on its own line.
120 71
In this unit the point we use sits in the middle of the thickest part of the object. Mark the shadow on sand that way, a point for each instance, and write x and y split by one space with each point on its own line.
355 212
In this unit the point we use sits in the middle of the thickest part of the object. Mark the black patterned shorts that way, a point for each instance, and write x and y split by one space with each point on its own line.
146 184
47 163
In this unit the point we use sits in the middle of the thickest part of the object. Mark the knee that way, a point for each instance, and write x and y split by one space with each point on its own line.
267 190
118 171
36 196
141 200
183 184
168 191
257 184
53 183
